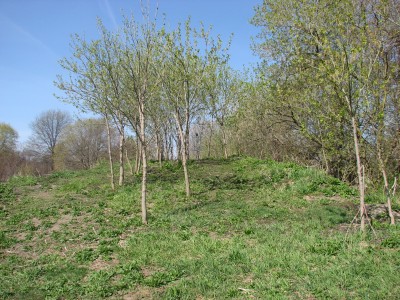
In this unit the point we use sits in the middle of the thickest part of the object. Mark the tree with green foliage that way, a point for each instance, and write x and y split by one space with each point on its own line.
327 57
191 57
96 85
224 88
8 138
139 56
8 151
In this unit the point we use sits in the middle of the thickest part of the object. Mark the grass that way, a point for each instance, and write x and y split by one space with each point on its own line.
252 230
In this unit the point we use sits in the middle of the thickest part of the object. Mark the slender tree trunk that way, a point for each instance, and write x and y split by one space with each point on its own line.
110 154
179 146
165 145
185 170
121 155
144 163
224 143
184 155
144 187
52 162
386 185
323 152
361 187
209 140
159 148
389 202
138 156
187 134
129 162
382 162
327 170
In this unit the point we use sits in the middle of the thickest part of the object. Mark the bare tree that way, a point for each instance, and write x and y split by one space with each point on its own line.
47 128
83 145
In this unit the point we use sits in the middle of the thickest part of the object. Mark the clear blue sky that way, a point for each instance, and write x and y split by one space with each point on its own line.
35 34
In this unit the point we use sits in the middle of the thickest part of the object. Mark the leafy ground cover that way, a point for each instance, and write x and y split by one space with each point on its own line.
252 230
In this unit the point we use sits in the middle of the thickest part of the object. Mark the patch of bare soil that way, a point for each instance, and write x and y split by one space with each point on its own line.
335 198
150 270
36 222
100 264
44 195
140 293
22 190
63 220
21 236
19 250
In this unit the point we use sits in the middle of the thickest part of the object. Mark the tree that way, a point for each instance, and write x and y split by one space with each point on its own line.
8 138
327 54
82 144
47 128
223 90
114 76
9 157
96 85
139 55
190 57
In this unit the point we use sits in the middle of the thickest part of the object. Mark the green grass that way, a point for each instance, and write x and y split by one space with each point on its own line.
252 229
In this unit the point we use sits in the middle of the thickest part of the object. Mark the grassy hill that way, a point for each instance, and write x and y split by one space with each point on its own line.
252 230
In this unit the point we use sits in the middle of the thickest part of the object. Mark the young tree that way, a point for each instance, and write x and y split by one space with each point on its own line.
96 85
139 59
223 87
190 57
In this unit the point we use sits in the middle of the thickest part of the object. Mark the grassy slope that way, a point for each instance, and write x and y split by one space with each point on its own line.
252 230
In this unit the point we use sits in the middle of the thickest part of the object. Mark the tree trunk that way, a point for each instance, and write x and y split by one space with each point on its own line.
361 188
166 146
184 155
179 147
144 163
159 143
121 155
129 162
185 170
138 156
209 140
52 161
224 143
386 185
110 154
187 135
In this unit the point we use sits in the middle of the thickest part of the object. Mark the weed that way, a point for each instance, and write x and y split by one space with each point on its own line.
86 255
392 241
6 192
5 241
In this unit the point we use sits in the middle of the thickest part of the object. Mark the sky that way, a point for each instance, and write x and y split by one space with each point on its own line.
35 35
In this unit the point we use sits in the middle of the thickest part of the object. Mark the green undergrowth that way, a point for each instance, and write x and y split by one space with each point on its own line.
252 229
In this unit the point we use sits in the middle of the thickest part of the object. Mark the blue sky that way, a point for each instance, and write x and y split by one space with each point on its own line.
35 34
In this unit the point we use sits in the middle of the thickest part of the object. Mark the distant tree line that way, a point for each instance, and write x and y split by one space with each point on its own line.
57 143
